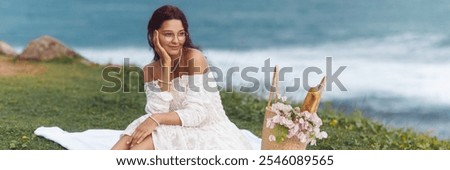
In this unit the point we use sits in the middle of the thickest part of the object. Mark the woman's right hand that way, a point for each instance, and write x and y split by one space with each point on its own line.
164 56
142 131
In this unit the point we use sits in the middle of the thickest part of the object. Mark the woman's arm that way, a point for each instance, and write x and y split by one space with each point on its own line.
165 61
197 64
169 118
192 114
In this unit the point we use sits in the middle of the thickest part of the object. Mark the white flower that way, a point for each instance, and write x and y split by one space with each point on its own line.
282 120
297 110
290 134
302 137
276 119
306 114
289 123
316 131
324 134
296 128
269 123
286 122
293 131
315 119
305 125
301 121
284 98
275 109
287 108
272 138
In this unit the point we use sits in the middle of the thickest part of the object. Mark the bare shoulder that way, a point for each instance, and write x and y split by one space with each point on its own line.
197 62
149 70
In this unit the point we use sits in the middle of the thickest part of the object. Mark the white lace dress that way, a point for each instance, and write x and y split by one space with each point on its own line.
204 123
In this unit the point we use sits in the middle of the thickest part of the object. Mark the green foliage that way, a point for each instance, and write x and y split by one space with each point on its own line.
345 131
68 95
245 110
354 131
280 133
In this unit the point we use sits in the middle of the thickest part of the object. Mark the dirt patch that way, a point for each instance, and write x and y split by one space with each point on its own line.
10 68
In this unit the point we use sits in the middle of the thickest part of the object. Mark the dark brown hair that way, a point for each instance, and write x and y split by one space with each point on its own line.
167 12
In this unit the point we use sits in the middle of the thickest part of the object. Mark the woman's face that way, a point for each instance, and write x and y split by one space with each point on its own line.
172 36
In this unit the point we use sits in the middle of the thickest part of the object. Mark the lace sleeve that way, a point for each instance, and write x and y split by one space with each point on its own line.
157 101
194 110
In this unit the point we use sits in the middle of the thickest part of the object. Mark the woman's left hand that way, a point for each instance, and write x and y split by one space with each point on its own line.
142 131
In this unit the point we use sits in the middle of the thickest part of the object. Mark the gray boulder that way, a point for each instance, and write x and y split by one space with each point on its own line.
46 48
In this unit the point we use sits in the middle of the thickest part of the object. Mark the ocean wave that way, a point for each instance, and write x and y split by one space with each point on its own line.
408 65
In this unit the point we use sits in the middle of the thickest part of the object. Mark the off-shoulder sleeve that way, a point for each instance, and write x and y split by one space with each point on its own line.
157 101
194 108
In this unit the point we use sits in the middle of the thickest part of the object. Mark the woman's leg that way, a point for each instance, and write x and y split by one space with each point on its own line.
122 143
146 144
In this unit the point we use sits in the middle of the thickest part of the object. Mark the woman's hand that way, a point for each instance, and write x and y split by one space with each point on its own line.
164 56
142 131
165 60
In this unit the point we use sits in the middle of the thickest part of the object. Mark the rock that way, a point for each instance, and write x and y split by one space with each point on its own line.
7 50
46 48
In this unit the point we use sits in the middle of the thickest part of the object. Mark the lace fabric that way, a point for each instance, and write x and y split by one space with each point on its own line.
204 122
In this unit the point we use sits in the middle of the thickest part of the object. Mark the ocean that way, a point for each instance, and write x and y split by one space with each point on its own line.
396 54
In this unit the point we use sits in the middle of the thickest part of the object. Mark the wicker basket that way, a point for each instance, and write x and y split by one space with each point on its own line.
288 144
311 104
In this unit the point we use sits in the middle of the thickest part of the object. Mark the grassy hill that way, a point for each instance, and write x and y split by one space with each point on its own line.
67 94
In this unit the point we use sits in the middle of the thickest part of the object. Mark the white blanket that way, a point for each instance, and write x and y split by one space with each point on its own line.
102 139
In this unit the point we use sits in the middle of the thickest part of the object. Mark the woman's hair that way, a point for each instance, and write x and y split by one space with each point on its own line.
164 13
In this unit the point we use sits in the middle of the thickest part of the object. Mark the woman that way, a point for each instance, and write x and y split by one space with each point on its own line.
181 113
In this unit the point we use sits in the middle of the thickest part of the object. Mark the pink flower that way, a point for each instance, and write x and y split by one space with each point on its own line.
287 108
289 123
297 109
302 137
290 135
303 125
269 123
293 131
277 119
306 114
301 121
316 131
283 98
296 128
316 120
272 138
323 134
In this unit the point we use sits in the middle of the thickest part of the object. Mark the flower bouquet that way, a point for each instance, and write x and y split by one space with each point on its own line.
291 122
288 128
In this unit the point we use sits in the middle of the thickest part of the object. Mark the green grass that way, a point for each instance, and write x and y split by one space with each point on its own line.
345 131
68 95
